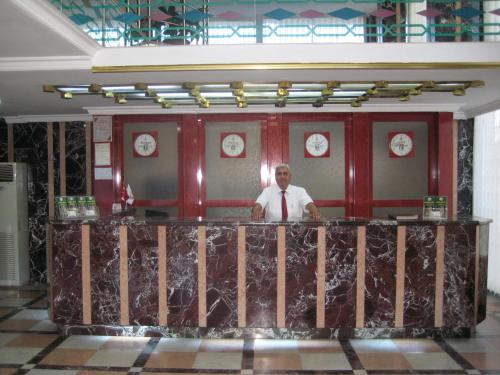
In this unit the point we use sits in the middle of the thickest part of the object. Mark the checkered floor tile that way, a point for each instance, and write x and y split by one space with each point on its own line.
31 344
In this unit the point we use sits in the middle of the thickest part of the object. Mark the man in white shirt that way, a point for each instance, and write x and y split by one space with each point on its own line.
284 201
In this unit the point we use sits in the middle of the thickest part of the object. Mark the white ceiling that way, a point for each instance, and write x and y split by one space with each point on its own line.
38 47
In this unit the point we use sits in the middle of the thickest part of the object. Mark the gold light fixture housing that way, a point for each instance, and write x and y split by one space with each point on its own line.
247 94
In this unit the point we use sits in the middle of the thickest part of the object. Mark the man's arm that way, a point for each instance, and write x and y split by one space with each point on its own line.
313 211
256 212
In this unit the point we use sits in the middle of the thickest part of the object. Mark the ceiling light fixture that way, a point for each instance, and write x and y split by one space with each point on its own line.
281 94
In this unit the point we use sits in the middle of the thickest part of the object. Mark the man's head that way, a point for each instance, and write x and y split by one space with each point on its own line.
283 175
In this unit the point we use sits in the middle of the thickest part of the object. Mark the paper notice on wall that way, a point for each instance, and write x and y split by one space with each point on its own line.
103 128
103 174
102 154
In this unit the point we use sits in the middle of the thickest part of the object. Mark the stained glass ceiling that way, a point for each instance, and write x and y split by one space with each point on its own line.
245 94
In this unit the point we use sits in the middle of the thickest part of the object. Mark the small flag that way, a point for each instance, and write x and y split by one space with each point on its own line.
124 195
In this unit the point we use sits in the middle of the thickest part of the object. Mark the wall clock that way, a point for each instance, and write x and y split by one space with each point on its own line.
401 144
317 144
232 145
145 144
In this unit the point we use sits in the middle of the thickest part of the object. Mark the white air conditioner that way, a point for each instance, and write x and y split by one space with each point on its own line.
14 247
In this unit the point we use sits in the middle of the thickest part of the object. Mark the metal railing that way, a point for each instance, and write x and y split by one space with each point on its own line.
161 22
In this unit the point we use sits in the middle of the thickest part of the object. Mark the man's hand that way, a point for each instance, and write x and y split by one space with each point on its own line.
313 211
256 212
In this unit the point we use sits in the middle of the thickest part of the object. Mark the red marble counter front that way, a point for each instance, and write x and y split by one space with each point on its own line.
228 278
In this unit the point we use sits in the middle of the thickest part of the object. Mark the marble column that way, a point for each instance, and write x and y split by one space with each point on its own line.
465 166
30 146
3 141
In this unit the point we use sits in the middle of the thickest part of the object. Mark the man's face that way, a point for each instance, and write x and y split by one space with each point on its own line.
283 177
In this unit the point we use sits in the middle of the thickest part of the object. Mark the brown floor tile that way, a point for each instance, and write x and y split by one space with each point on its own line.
417 346
33 340
29 294
5 311
77 357
90 372
17 324
493 306
221 346
384 361
483 361
125 343
268 361
7 371
43 303
171 360
319 346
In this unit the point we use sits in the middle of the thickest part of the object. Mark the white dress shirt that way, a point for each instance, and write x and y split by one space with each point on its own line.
296 201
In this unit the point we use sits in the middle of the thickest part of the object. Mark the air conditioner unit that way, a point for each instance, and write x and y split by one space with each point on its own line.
14 246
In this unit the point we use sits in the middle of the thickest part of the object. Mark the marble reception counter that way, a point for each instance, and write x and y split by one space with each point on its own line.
231 277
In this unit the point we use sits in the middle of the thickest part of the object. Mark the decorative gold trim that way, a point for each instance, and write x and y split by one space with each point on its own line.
281 287
162 275
124 302
296 66
400 276
242 292
438 307
202 276
86 277
321 276
360 277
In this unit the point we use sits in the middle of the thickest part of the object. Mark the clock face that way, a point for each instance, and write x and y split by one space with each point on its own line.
400 144
145 145
317 145
233 145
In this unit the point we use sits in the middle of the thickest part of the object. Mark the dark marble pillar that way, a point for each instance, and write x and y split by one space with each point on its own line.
340 276
30 146
143 274
484 232
105 273
75 159
3 141
465 166
222 276
261 275
459 268
300 280
380 280
66 278
182 276
420 276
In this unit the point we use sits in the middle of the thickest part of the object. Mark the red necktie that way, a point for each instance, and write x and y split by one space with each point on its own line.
284 210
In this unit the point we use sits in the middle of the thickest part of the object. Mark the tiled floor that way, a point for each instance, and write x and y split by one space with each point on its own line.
29 344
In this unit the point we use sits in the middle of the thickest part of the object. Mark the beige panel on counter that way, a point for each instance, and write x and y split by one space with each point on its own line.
86 303
360 278
162 275
280 318
202 276
321 272
438 313
400 276
124 311
242 290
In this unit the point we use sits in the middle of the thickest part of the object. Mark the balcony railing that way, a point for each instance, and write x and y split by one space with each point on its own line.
114 23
